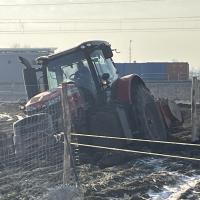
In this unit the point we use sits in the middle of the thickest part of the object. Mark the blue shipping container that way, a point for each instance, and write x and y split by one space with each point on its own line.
154 71
147 71
128 68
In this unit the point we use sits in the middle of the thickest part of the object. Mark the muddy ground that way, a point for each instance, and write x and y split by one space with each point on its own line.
114 176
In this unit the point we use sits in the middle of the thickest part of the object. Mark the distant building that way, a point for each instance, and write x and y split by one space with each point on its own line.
10 66
156 70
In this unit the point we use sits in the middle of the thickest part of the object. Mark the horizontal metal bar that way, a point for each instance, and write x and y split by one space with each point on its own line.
135 139
137 152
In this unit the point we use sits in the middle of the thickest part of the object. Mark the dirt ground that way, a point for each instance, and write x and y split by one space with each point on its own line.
114 176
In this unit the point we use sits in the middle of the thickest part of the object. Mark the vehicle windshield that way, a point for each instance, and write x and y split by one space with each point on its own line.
72 67
103 65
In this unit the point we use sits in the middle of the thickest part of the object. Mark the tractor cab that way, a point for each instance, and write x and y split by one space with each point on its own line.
88 66
90 72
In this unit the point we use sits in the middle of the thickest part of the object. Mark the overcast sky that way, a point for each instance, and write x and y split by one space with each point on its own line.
160 30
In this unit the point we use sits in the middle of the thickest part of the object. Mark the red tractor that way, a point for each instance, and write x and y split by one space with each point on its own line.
101 103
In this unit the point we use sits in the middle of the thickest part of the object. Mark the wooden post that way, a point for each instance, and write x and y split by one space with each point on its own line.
67 130
194 94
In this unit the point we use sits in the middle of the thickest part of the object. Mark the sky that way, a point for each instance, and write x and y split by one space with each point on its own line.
160 30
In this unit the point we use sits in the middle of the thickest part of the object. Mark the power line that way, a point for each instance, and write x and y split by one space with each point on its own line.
120 21
109 21
75 3
114 30
103 19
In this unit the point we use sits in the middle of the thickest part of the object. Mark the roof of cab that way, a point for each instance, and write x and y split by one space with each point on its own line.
92 43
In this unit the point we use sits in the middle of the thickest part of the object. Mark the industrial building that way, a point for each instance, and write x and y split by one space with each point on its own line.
11 77
10 66
156 70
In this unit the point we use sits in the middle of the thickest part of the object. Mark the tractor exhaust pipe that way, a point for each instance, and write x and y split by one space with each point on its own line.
30 78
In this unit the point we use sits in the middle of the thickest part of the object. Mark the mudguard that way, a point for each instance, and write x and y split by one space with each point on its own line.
124 92
142 112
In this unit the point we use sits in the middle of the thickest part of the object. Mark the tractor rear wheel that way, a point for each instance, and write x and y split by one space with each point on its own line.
149 119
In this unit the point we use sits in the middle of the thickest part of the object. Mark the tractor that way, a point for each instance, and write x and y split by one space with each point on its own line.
101 102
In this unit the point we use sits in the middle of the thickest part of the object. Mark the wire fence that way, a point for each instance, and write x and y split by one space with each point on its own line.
32 150
31 156
12 92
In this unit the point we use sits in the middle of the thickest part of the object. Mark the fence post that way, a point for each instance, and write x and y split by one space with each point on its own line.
194 93
67 129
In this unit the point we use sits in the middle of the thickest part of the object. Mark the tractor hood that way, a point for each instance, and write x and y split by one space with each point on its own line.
45 99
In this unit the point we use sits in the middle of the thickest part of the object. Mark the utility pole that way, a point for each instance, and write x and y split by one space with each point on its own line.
130 50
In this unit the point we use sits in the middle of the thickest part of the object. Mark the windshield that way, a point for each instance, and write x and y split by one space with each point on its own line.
72 67
104 65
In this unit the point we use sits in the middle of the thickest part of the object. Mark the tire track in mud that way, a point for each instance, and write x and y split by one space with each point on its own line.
143 178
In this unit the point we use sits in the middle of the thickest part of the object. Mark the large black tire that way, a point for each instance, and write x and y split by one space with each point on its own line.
149 119
106 124
32 136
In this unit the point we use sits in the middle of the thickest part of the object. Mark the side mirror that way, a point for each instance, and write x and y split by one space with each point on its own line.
107 52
